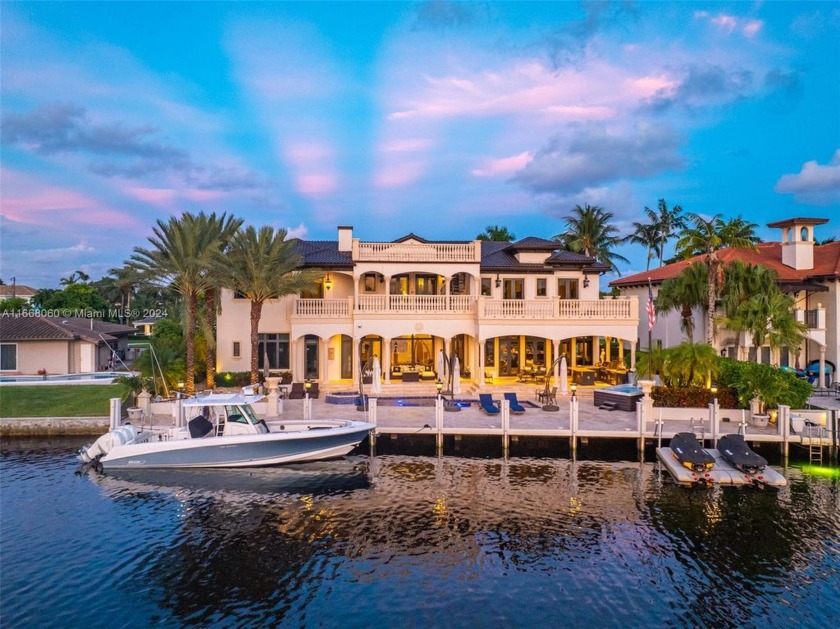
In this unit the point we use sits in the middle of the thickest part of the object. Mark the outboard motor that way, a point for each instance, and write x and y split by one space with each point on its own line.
105 443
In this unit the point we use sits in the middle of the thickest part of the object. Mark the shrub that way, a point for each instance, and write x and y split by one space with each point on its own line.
772 386
693 397
233 379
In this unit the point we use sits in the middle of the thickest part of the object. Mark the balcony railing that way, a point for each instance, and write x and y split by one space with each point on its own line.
811 319
416 303
556 309
416 252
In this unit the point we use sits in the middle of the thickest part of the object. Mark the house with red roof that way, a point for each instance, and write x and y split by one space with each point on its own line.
810 273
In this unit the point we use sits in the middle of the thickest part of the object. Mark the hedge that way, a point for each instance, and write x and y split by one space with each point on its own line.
693 397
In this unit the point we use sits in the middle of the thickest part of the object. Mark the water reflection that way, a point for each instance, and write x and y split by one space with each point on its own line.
442 542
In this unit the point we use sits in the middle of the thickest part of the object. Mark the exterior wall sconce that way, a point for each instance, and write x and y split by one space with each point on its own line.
498 281
327 282
381 279
586 282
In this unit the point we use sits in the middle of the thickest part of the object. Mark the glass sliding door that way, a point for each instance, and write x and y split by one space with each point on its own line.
310 357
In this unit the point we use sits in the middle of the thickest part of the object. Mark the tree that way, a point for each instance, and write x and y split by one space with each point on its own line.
182 250
709 236
496 233
263 265
685 292
690 364
588 231
665 222
14 304
78 276
647 236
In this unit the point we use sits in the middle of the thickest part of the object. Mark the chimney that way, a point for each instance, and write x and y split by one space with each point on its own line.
345 238
798 241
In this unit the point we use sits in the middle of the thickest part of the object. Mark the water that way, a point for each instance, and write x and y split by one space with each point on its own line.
401 541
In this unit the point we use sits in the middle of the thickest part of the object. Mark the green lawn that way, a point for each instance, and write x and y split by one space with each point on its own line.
71 400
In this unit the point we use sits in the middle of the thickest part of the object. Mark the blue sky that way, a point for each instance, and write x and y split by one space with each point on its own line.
435 118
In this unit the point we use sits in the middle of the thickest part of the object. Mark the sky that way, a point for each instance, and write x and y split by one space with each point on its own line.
437 118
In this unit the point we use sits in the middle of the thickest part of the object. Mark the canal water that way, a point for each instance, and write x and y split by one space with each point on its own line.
402 541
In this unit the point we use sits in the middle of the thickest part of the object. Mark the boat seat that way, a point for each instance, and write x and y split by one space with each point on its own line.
200 427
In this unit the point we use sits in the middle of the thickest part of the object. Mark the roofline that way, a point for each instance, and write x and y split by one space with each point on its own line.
790 222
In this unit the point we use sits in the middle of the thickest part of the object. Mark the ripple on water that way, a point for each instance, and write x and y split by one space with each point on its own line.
409 541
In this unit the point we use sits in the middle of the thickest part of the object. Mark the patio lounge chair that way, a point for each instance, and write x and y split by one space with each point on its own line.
515 407
485 400
313 391
297 391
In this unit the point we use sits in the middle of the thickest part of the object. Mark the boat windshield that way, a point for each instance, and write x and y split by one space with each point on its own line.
241 415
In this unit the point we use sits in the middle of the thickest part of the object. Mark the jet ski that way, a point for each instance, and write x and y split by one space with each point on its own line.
735 450
689 453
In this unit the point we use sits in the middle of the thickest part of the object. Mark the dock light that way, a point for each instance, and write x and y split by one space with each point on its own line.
574 390
714 393
180 384
439 386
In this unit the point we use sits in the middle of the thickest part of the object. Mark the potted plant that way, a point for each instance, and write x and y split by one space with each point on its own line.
132 386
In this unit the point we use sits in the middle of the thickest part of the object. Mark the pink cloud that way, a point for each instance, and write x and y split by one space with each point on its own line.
399 175
155 196
35 202
752 27
503 166
316 184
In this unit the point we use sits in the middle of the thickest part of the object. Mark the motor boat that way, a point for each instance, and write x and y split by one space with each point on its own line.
689 453
735 450
224 432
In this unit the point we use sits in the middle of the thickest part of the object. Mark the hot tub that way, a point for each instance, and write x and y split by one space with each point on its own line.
623 396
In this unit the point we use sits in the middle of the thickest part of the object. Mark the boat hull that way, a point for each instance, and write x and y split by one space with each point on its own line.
238 451
689 453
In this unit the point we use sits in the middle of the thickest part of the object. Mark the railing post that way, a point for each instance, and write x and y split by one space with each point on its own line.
439 424
505 425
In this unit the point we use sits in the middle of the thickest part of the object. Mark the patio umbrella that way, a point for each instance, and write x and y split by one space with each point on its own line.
376 384
563 376
441 365
265 365
456 377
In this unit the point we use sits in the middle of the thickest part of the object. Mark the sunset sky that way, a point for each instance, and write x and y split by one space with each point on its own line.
435 118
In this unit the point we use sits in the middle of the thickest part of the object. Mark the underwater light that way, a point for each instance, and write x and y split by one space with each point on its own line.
825 472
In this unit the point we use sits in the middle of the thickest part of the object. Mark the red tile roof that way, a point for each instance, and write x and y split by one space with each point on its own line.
769 254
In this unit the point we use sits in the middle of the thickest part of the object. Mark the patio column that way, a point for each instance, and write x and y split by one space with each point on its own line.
633 356
555 350
356 358
621 350
608 347
386 359
480 366
293 354
574 352
821 377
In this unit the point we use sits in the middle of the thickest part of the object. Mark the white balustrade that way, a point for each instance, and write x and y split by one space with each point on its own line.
322 308
416 303
417 252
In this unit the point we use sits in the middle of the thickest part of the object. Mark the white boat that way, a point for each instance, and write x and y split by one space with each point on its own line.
224 432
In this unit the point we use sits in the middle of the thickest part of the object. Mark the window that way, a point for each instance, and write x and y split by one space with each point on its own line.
237 349
486 286
490 353
276 347
239 295
567 288
8 356
514 289
370 283
541 287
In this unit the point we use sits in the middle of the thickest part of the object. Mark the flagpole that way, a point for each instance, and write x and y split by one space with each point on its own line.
650 332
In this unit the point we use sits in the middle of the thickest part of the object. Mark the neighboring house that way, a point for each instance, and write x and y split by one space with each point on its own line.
55 345
809 273
8 291
146 325
504 309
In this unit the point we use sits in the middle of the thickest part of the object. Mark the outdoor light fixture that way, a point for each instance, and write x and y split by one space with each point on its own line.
439 386
574 390
714 393
381 279
586 282
327 282
498 281
307 385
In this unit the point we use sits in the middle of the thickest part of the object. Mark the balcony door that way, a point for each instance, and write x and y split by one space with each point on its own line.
310 354
509 361
513 289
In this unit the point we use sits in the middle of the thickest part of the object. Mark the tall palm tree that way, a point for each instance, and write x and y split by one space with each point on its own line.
261 265
181 253
496 233
685 292
666 222
588 232
647 235
739 228
767 316
709 236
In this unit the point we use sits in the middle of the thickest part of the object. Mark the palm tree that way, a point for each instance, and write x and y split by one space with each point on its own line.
181 253
739 228
648 236
767 316
666 222
709 236
690 364
263 265
685 292
496 233
588 232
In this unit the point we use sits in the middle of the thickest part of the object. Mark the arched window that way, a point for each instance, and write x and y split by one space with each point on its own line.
803 234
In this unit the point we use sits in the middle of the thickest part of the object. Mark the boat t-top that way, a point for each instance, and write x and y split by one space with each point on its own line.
224 431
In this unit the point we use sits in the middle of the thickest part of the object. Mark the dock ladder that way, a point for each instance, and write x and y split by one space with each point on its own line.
814 432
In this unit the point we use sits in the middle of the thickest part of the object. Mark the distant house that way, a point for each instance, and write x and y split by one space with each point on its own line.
808 272
146 325
55 345
26 293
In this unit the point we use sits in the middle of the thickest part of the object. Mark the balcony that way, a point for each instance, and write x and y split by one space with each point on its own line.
513 309
814 319
416 252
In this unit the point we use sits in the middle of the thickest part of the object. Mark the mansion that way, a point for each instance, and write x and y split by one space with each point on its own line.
504 309
810 273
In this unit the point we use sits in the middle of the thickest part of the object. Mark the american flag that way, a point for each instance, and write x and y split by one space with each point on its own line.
651 309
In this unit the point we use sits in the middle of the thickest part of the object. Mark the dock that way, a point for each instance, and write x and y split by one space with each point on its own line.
723 473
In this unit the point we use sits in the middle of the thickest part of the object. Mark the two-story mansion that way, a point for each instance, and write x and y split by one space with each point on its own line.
810 273
504 309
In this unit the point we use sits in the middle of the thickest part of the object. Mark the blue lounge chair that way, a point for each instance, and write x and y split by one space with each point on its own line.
515 407
485 400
